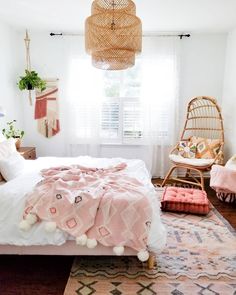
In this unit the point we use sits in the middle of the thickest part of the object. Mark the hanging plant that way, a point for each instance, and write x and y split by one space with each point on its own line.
30 81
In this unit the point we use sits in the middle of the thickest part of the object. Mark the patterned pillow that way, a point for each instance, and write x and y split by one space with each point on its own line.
206 148
187 149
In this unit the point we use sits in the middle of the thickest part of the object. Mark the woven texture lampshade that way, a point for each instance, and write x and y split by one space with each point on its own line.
113 34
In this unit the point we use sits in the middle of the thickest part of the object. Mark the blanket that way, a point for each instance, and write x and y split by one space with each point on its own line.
223 179
92 205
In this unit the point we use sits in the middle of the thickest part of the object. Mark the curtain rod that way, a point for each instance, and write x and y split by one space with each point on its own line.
181 36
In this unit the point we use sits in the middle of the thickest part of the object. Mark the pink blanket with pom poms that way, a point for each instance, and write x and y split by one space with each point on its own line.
93 205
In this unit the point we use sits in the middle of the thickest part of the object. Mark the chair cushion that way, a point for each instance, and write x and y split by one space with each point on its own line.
206 148
185 200
193 162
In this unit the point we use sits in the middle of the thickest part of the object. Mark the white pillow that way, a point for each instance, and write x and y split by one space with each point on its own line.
7 148
12 166
2 137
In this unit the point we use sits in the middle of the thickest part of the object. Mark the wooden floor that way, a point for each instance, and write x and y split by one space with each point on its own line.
228 211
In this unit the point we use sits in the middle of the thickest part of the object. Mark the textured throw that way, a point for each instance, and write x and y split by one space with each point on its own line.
103 205
223 179
46 110
199 259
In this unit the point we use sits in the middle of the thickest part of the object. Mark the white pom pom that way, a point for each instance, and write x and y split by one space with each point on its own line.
31 218
24 225
91 243
119 250
143 255
81 240
50 226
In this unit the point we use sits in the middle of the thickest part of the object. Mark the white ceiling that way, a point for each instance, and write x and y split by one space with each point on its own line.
156 15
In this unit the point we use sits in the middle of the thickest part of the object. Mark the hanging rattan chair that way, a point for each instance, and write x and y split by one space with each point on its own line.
203 121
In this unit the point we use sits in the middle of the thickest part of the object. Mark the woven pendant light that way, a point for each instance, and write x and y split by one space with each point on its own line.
113 34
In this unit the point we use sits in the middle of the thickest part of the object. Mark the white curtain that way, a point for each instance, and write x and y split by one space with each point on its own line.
157 123
160 99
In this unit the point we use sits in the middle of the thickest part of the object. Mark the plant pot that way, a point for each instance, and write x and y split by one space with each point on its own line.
17 143
30 87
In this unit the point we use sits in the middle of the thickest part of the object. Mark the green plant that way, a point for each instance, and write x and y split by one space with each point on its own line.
11 131
30 81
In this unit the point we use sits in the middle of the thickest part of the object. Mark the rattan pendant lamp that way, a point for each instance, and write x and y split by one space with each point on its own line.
113 34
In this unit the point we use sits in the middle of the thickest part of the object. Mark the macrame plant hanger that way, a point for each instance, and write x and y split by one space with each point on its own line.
28 63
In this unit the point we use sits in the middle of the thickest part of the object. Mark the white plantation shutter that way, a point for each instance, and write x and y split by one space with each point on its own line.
132 120
110 119
164 126
121 120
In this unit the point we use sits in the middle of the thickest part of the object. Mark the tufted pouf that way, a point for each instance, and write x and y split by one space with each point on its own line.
185 200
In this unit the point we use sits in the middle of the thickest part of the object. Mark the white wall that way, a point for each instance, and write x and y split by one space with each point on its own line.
10 99
229 96
202 68
48 58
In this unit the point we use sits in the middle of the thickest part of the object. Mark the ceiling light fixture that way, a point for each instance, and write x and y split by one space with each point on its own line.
113 34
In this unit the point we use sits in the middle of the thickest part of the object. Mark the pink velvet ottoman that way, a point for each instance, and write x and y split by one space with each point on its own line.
185 200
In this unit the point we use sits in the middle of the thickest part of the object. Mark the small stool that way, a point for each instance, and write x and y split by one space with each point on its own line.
186 200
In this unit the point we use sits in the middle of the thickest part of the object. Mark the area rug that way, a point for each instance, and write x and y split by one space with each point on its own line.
199 258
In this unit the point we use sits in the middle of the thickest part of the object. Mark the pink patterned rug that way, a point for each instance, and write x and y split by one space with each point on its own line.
200 258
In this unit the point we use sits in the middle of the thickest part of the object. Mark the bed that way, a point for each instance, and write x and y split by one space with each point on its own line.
37 241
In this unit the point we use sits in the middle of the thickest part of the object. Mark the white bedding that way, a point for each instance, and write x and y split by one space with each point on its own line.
12 201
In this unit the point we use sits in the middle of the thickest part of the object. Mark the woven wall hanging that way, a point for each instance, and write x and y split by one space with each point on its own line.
113 34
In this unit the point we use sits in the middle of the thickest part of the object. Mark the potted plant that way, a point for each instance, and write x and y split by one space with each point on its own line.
12 132
30 81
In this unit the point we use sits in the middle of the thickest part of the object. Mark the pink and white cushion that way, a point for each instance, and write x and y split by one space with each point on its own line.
185 200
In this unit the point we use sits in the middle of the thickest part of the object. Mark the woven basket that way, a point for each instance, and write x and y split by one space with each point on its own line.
125 36
113 35
122 6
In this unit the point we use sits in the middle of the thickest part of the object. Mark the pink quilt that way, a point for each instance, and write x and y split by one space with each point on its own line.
93 205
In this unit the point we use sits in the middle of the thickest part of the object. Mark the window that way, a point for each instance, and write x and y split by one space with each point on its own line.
134 106
121 111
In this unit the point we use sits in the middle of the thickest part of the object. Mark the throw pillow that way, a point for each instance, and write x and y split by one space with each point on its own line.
187 149
12 166
206 148
7 148
2 137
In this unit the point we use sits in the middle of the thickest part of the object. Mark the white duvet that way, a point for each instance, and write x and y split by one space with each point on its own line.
12 202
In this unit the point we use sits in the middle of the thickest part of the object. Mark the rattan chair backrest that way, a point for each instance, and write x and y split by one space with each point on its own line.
203 119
